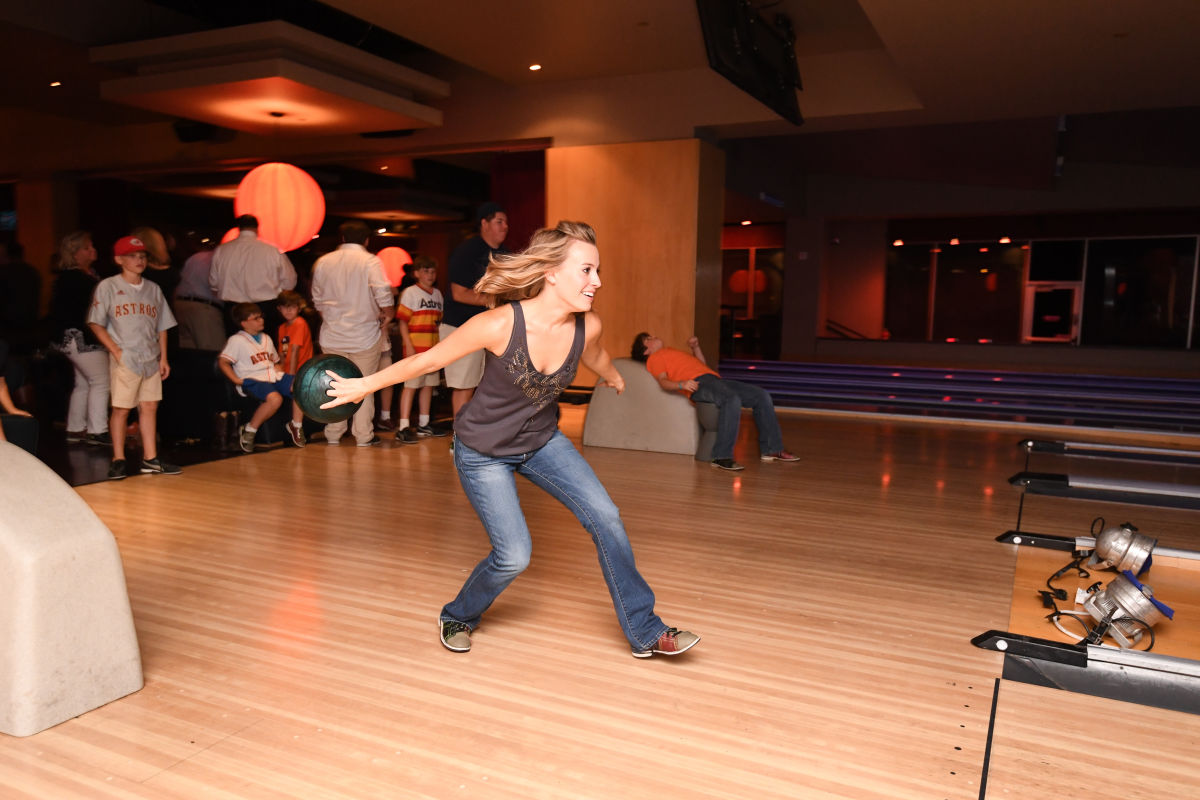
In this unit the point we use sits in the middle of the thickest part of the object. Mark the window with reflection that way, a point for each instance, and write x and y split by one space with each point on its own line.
1138 292
978 296
751 302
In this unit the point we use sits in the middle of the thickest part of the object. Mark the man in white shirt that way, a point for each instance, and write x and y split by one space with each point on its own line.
248 270
353 296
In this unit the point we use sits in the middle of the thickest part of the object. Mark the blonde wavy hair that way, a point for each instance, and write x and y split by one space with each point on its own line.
71 244
519 276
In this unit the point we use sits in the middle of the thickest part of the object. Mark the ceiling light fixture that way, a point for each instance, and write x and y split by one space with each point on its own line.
747 222
225 77
954 241
898 243
534 67
56 83
1005 240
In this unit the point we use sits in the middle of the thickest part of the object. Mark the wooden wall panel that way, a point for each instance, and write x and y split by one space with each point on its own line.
46 211
656 210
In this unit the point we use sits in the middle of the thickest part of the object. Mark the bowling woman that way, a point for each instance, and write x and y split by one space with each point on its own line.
539 327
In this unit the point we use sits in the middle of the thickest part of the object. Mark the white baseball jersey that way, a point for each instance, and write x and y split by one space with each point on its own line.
252 360
133 315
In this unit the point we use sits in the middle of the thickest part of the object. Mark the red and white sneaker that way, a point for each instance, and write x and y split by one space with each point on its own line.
296 432
782 455
672 642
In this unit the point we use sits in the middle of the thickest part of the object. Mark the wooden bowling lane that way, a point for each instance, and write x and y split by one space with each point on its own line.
1048 743
285 605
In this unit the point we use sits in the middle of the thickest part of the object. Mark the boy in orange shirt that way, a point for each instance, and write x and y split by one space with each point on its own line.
295 338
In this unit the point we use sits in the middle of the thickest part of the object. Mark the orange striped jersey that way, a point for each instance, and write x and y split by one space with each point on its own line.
422 311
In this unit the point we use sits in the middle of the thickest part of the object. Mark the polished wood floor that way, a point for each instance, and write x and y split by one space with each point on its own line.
285 604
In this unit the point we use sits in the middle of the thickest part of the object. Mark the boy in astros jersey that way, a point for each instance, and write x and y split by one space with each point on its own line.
420 313
130 317
250 362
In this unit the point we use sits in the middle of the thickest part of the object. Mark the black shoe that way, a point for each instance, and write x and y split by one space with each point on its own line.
438 431
116 470
385 425
374 440
406 436
456 636
727 464
102 439
160 467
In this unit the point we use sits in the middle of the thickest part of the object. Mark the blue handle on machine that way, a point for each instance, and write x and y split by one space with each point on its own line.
1161 606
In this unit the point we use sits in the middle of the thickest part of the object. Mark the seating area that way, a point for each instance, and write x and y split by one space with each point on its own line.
644 417
1110 401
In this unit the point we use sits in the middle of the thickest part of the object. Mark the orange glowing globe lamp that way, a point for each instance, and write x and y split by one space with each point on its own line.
288 203
394 260
739 281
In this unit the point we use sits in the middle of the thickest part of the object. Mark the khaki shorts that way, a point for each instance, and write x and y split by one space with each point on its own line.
467 372
429 379
129 388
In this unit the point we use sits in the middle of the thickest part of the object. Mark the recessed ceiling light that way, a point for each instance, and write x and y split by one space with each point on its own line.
534 67
747 222
56 83
1005 240
381 230
898 243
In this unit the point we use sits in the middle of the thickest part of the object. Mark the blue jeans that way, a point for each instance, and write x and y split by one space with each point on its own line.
730 397
558 468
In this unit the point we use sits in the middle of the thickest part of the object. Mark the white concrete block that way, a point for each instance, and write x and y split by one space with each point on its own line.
67 640
644 417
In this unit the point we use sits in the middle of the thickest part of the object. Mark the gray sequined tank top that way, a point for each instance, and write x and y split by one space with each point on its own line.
514 409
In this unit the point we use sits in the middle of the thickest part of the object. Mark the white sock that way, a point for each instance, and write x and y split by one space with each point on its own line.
385 415
403 424
423 420
250 428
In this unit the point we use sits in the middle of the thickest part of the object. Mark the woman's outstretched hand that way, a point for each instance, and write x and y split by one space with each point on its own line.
344 390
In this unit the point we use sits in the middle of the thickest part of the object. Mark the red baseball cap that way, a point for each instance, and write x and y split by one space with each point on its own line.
127 245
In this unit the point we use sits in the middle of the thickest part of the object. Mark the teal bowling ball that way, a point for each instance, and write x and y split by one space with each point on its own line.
312 382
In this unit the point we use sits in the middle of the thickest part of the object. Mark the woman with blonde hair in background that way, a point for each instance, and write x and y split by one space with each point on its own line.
87 408
539 327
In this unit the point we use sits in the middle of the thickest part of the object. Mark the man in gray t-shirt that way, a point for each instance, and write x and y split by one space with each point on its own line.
130 317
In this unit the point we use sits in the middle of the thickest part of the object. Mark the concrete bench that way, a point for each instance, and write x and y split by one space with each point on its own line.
67 641
645 417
